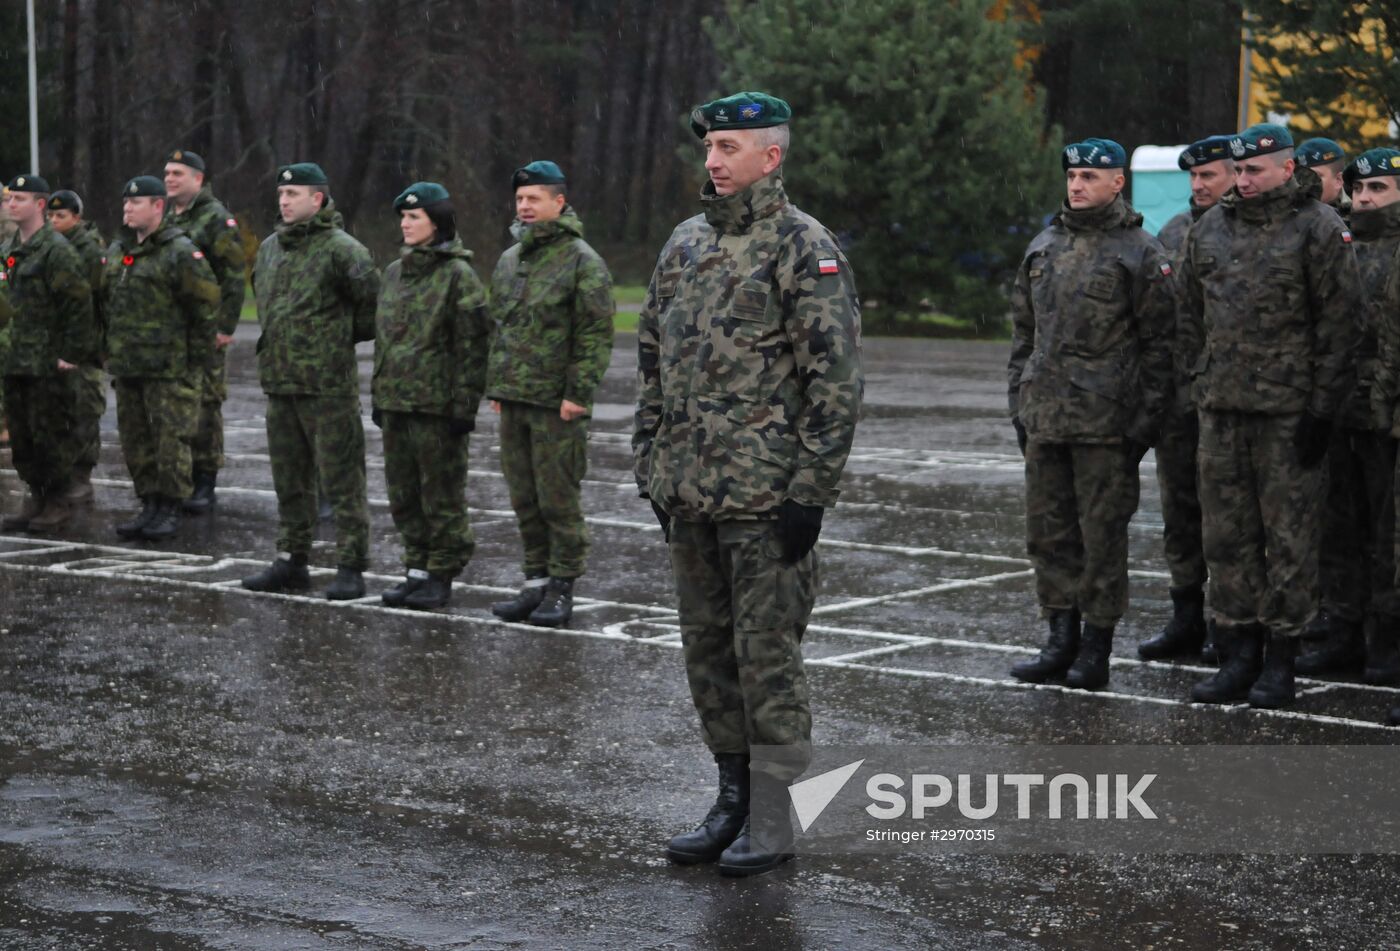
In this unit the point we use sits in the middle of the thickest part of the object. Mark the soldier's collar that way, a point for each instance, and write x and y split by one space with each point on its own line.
1264 206
1376 223
1112 215
736 213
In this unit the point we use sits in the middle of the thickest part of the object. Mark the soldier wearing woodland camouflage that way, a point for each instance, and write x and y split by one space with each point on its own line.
1321 169
160 309
1273 299
65 214
194 209
749 386
7 229
1090 381
551 300
317 288
1212 173
433 336
52 334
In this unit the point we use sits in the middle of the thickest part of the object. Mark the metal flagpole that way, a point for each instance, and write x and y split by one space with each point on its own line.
33 95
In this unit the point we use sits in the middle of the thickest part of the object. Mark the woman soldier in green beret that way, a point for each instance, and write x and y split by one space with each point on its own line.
432 339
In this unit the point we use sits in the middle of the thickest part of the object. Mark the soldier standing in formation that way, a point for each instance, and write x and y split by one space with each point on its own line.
432 340
1272 296
54 332
1090 383
1321 169
551 300
193 208
317 289
749 386
161 310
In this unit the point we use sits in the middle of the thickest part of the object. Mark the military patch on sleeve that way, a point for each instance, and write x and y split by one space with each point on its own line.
828 266
232 222
1166 269
1346 237
199 255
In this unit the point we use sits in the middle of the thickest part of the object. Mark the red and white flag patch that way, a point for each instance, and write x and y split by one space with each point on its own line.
828 266
199 255
1346 237
1166 269
232 223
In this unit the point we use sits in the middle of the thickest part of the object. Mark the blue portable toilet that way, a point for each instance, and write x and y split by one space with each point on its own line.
1161 190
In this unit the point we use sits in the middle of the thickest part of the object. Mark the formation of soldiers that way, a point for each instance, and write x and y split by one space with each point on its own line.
1256 344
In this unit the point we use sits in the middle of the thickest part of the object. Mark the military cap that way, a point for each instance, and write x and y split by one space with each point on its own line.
66 200
301 173
1263 138
1212 148
420 194
743 110
537 173
1316 152
144 186
34 184
1373 163
186 157
1093 153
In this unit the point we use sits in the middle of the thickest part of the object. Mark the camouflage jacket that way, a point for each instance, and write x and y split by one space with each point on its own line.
87 241
551 299
162 304
1093 323
1273 298
317 289
1378 257
748 361
433 334
51 300
215 231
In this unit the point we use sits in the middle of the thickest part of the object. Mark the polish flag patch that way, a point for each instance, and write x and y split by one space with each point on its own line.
828 266
1166 269
232 223
1346 237
199 255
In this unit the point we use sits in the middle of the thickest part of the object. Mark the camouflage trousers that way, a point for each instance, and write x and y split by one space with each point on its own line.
42 412
319 436
743 611
1181 503
208 447
1357 557
425 467
544 460
87 427
156 419
1262 513
4 358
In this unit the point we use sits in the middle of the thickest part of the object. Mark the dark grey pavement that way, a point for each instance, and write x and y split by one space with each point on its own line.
186 765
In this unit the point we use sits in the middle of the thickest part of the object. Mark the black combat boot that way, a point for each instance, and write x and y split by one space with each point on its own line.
765 841
1090 668
349 584
1274 688
414 580
1058 653
557 605
131 528
726 817
529 598
165 523
287 572
1185 632
434 593
1241 649
1342 651
1382 651
33 505
201 499
1210 651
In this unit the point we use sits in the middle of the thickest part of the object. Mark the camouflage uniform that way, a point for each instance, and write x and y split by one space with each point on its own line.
160 310
749 386
1090 378
551 300
316 288
92 390
1272 292
215 231
49 292
432 340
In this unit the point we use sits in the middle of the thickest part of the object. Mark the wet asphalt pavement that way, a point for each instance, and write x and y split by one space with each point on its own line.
186 765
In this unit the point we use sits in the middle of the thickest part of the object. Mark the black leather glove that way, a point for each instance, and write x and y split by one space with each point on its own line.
460 427
663 519
1021 436
1311 439
376 416
798 528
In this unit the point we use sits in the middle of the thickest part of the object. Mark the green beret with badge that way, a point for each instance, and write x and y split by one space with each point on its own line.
33 184
1093 153
66 200
144 186
420 195
1315 152
743 110
186 157
537 173
1213 148
1372 164
301 173
1264 138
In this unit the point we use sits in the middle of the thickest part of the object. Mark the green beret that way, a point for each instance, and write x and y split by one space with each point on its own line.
144 186
301 173
743 110
1373 163
419 194
1261 139
1316 152
65 200
185 157
34 184
537 173
1093 153
1212 148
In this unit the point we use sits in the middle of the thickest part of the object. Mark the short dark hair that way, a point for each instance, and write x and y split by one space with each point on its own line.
554 190
444 219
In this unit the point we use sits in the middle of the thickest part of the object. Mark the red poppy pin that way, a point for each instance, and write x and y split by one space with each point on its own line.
128 260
